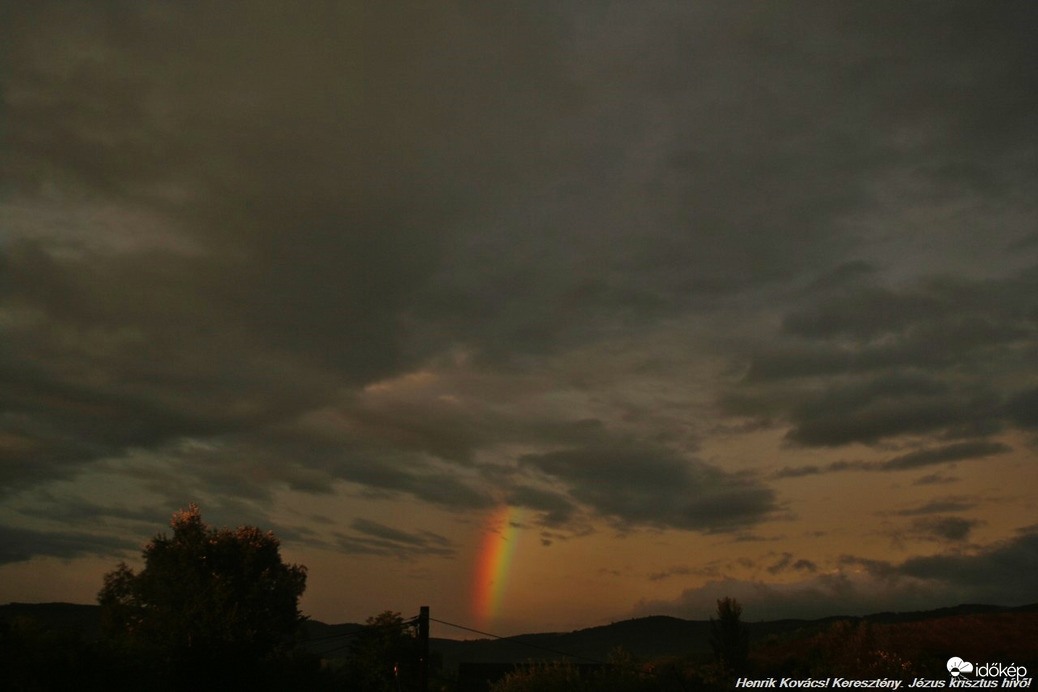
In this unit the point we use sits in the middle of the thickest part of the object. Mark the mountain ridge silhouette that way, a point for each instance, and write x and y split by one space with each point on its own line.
646 637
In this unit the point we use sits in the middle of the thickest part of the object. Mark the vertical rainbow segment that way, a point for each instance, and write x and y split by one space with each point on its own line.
493 564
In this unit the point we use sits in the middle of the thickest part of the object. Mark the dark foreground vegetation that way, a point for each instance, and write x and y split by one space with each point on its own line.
218 609
890 645
211 609
55 646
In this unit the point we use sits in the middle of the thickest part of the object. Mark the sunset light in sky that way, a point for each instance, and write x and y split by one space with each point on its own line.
494 566
542 314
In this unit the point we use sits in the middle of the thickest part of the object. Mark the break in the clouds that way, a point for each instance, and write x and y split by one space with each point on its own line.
614 266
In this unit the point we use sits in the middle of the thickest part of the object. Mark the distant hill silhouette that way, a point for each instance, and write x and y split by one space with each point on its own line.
84 620
647 637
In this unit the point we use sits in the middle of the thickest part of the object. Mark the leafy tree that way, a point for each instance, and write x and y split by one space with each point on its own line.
728 636
208 604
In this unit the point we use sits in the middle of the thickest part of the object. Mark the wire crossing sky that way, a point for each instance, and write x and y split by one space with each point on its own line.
687 299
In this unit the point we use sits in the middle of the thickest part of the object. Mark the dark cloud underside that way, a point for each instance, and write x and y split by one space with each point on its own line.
530 252
653 486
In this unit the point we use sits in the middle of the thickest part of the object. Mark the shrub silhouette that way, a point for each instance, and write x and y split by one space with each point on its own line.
542 676
623 673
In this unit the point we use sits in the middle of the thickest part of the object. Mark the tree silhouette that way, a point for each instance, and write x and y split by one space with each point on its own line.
209 603
384 655
728 636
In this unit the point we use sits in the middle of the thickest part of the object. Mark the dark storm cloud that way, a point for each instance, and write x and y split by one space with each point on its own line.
1022 408
881 409
940 529
997 574
316 161
85 513
934 479
970 313
940 455
441 488
137 373
315 463
555 509
852 273
798 471
309 166
646 485
19 544
781 565
225 219
1025 243
373 538
875 363
960 451
787 562
947 528
936 506
814 469
804 565
404 474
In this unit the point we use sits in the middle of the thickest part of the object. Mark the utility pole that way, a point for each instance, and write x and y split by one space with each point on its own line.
423 649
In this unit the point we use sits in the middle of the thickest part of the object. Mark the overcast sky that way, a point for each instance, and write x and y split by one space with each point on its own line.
719 298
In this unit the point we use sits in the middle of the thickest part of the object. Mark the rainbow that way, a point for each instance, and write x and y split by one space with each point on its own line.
493 563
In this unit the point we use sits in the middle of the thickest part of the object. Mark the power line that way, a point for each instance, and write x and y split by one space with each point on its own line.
412 622
514 638
331 650
361 629
520 642
338 635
